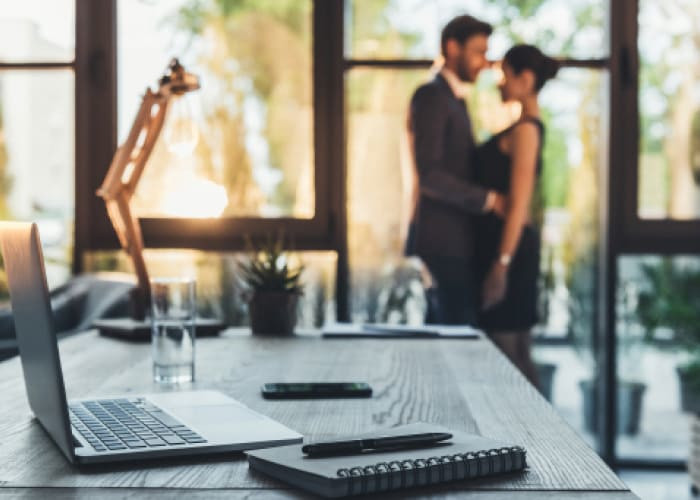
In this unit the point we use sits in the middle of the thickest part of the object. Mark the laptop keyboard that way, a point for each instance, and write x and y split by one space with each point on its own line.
121 424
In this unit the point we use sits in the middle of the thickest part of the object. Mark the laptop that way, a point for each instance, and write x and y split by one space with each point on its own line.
121 427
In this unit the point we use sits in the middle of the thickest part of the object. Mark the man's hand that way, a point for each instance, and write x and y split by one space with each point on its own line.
495 285
500 204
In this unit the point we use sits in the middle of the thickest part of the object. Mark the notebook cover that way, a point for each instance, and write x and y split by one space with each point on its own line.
321 475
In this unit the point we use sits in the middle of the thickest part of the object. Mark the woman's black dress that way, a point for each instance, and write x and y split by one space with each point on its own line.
518 310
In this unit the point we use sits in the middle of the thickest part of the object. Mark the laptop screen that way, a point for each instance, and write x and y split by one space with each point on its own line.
36 338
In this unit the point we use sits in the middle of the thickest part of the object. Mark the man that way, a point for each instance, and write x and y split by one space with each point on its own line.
441 231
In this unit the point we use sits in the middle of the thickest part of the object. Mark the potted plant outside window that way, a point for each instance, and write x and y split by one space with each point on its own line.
669 310
630 386
273 286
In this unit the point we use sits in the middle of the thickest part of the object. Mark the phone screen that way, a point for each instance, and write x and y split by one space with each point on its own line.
316 389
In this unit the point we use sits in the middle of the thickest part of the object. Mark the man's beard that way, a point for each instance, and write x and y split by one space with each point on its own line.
463 72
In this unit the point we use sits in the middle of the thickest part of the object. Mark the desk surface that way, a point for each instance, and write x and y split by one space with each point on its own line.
461 384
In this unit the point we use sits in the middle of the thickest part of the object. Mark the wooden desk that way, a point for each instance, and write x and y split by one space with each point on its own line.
461 384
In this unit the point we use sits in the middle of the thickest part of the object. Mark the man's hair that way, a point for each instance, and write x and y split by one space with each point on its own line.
462 28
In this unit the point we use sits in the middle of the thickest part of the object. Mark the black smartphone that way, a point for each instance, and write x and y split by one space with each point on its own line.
316 390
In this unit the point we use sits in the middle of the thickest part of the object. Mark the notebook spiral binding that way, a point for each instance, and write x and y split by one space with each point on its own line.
422 471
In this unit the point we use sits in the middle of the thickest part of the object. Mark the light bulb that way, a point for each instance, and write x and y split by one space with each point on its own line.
181 133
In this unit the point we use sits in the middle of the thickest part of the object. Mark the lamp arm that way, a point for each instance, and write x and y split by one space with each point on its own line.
120 183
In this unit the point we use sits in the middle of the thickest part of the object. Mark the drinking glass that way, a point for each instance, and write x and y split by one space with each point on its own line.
173 311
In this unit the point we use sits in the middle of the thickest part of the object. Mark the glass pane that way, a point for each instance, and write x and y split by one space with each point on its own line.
388 287
658 346
253 115
37 31
37 161
385 286
219 290
669 106
574 155
411 28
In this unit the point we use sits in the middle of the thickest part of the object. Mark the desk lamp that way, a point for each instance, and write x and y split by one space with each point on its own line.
127 167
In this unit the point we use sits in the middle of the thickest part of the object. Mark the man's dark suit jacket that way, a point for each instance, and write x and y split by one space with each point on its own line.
444 151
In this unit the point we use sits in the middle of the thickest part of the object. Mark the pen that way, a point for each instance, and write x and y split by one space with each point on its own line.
374 444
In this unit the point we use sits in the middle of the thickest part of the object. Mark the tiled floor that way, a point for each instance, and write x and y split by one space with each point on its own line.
661 485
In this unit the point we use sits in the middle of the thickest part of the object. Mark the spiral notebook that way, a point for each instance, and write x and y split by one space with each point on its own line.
464 457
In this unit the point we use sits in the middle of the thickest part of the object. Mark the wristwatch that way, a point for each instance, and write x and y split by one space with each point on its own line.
504 259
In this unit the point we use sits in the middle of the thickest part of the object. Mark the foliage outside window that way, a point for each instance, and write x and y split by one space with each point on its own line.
253 113
669 105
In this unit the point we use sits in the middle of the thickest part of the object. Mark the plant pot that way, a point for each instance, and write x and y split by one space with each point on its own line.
273 313
629 406
545 375
690 398
694 454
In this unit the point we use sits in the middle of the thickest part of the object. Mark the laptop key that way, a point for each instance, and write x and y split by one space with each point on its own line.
155 442
173 439
190 434
194 440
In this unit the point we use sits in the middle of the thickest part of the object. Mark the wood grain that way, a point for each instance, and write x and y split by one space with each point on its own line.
232 494
461 384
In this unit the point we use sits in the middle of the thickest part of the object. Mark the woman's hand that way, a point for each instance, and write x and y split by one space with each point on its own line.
495 285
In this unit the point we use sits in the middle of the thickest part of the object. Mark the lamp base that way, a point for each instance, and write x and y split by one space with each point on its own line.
140 331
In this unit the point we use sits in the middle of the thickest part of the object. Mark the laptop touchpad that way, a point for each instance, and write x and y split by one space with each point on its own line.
222 422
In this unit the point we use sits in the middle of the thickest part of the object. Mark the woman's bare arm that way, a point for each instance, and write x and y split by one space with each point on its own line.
524 147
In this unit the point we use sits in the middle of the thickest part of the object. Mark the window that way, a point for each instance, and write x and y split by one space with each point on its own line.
669 106
219 291
657 310
252 138
410 29
384 285
390 46
34 31
256 164
37 125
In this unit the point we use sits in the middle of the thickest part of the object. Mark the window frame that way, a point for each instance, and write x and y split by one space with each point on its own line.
638 235
624 232
51 65
96 138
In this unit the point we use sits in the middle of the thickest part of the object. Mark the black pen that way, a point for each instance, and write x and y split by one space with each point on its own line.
352 446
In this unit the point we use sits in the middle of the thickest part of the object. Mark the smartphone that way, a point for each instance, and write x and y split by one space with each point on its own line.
316 390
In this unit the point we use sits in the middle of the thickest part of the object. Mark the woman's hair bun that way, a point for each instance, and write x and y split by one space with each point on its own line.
522 57
550 67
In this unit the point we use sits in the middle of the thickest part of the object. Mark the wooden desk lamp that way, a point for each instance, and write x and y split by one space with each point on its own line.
127 167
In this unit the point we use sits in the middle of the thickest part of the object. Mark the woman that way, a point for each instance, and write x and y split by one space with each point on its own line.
508 248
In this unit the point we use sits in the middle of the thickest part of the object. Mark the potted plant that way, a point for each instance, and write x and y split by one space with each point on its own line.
669 310
273 285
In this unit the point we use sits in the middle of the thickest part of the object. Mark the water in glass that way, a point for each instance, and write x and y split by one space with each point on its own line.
173 329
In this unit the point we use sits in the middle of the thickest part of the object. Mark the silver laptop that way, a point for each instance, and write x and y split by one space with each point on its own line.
115 428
